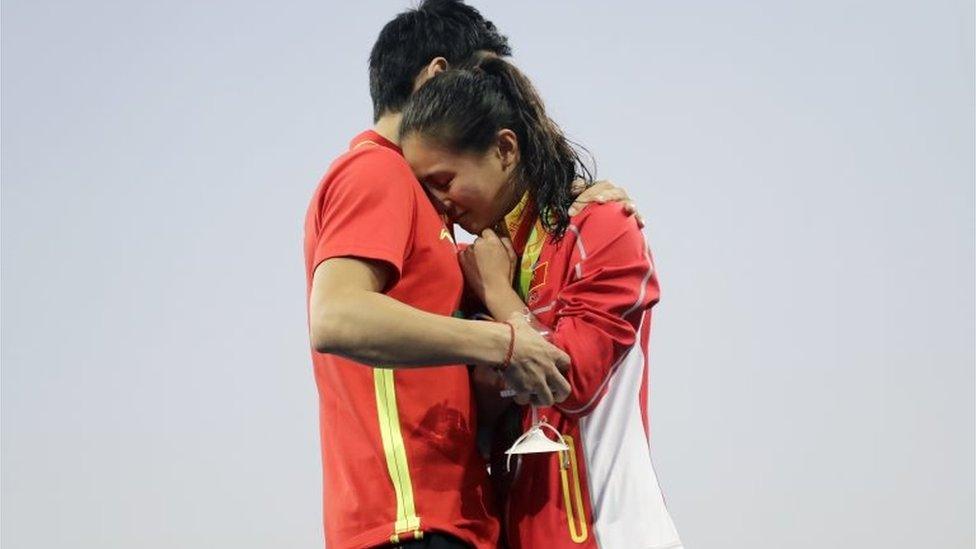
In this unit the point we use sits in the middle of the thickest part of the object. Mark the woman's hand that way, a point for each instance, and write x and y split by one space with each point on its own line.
488 265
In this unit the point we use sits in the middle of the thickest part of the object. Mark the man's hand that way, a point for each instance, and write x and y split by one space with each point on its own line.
601 192
536 366
488 263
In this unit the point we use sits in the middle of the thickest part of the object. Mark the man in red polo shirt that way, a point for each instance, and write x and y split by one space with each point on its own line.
398 435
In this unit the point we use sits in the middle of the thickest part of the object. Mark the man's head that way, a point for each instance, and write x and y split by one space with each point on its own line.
448 29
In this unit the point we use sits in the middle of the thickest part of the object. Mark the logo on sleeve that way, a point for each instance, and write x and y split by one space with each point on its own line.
446 234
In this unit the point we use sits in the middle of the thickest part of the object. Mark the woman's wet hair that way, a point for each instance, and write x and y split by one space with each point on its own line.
464 109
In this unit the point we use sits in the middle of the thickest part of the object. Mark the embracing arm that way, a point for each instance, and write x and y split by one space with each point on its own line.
601 192
350 316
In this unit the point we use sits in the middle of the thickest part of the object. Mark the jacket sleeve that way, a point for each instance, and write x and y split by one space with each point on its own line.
610 284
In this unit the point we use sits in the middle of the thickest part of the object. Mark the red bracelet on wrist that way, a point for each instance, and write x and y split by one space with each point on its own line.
511 347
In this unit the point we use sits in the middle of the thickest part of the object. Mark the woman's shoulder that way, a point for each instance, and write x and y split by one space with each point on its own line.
608 216
605 227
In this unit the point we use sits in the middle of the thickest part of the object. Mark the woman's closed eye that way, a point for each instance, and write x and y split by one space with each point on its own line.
440 182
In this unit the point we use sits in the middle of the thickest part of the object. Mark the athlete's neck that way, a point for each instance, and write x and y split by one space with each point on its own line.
389 127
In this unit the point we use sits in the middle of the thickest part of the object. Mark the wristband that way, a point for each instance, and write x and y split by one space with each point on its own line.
511 348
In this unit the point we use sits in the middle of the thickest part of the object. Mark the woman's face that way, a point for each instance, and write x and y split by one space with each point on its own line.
473 189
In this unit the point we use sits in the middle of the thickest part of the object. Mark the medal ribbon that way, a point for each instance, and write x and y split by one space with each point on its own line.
528 235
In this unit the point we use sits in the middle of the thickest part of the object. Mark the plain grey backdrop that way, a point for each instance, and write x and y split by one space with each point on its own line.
807 173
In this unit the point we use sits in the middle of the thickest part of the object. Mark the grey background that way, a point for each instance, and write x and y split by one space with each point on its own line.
806 169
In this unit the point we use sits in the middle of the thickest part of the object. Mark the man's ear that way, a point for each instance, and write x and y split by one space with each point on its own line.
436 66
507 148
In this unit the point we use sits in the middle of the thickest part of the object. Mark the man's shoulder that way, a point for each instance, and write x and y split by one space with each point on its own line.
369 170
368 158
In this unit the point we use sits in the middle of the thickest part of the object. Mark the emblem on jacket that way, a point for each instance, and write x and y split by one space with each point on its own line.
539 276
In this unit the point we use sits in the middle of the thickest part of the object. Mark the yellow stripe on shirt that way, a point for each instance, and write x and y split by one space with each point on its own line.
396 454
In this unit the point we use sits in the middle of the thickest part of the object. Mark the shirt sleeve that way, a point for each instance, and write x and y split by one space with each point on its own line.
612 283
368 211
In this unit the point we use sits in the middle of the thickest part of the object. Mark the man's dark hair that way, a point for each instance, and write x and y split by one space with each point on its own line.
437 28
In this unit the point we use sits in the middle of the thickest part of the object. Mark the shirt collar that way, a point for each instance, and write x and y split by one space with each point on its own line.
370 136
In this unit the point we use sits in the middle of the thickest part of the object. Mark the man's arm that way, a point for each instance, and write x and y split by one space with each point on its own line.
349 316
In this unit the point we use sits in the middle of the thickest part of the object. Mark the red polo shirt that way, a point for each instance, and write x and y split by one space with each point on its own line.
398 446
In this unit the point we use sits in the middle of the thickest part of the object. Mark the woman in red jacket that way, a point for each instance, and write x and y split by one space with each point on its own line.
482 144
